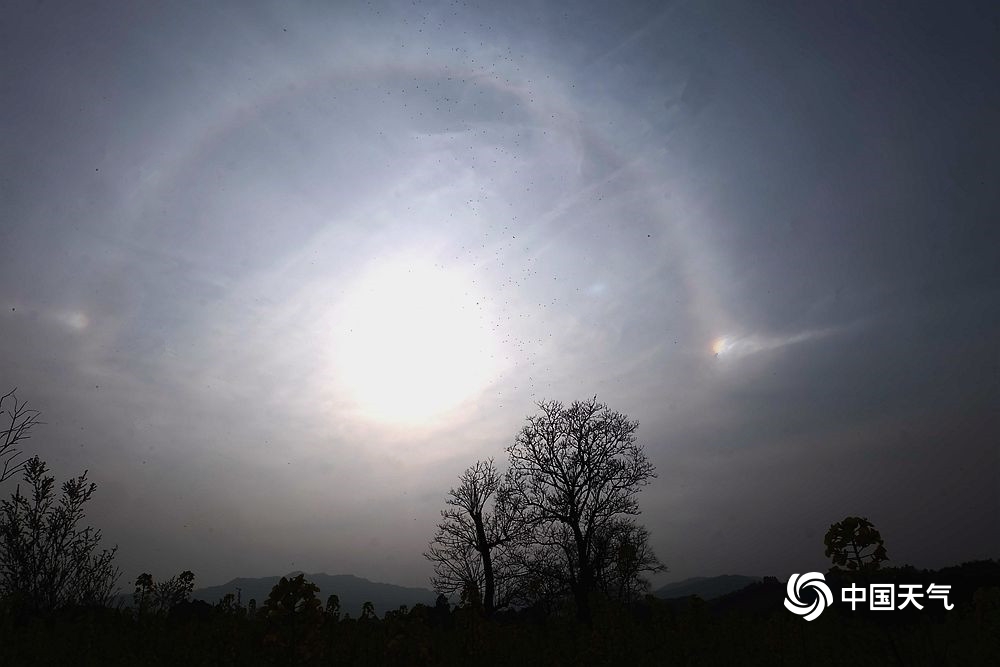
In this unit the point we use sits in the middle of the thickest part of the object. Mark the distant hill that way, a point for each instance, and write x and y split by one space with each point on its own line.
706 588
352 591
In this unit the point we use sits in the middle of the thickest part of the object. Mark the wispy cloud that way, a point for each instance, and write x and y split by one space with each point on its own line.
737 346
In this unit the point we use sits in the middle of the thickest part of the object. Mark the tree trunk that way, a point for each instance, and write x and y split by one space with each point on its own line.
581 595
585 578
484 551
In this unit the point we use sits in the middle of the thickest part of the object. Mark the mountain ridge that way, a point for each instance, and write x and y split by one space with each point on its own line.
706 588
353 591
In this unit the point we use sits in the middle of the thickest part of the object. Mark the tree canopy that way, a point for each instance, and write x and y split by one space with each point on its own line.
856 544
559 522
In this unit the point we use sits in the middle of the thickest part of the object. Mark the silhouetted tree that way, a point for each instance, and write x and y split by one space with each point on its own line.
175 590
623 556
293 618
143 593
17 420
549 563
575 471
855 544
47 560
333 608
162 596
292 596
474 547
230 604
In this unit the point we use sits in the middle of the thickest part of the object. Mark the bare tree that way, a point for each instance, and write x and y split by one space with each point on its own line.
574 472
624 556
472 551
17 420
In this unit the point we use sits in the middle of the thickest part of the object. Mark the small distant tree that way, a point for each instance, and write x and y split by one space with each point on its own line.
230 606
293 617
16 422
47 560
856 544
333 608
143 593
162 596
292 596
624 556
175 590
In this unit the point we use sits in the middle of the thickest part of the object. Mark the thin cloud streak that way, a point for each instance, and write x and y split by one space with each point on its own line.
732 347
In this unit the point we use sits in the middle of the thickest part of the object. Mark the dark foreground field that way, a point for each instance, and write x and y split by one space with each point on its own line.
747 627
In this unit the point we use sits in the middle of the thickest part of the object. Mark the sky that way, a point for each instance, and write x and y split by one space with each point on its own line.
277 273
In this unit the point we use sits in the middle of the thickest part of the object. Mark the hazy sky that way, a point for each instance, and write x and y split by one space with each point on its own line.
277 273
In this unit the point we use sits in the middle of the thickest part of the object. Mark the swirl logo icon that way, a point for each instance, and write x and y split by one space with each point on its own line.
793 600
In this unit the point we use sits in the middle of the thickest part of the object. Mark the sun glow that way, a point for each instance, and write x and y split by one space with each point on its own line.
414 341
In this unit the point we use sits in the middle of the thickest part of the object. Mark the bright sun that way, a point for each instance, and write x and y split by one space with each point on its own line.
414 341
